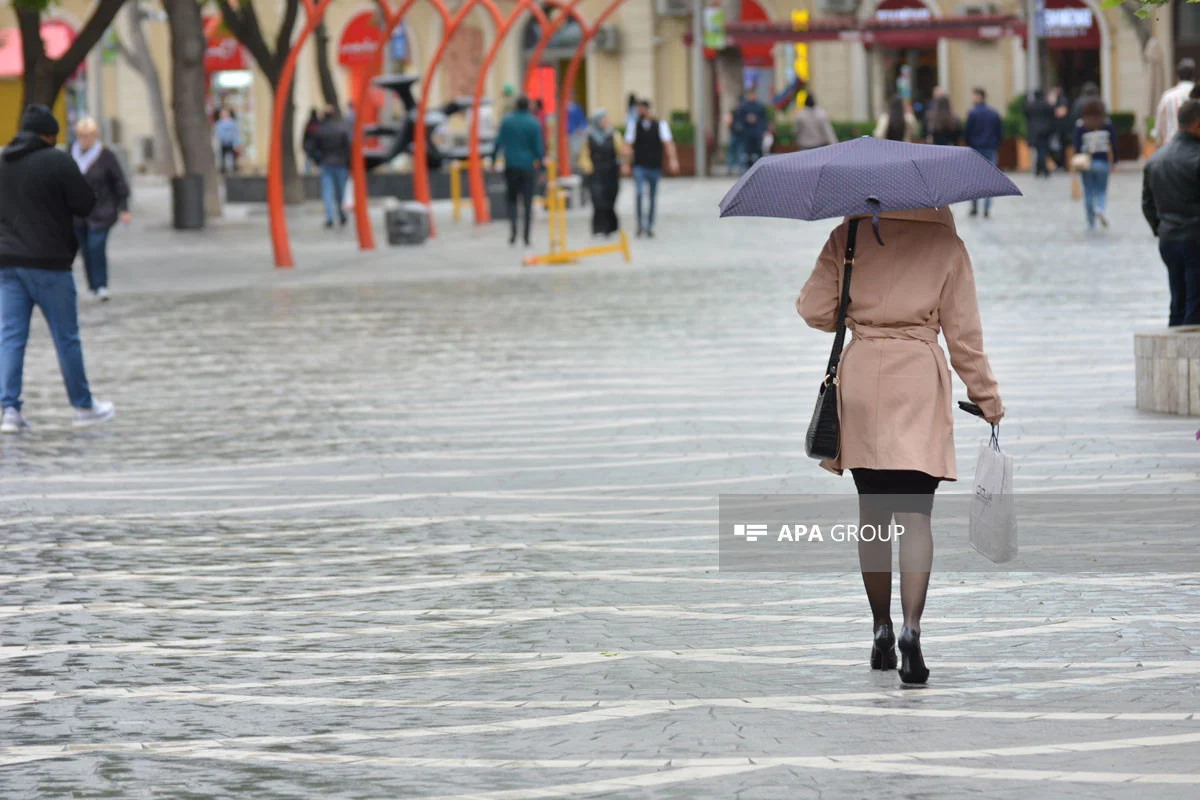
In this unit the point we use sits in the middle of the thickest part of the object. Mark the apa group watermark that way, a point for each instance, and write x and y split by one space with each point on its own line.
839 532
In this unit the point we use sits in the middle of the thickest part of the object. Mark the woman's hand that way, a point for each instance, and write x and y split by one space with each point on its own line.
125 217
994 419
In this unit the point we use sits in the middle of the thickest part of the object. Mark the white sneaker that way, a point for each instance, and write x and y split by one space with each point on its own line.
13 422
102 293
101 411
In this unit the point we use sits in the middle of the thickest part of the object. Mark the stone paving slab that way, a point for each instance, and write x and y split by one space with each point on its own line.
423 523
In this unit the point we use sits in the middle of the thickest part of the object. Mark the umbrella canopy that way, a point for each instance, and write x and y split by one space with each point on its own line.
863 176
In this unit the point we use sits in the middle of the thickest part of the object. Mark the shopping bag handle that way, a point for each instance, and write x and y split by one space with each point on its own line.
995 441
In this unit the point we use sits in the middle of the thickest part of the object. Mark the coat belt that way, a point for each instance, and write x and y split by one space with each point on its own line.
919 333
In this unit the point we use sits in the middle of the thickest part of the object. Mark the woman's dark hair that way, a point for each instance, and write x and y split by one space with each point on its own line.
896 128
1092 114
941 117
632 101
810 101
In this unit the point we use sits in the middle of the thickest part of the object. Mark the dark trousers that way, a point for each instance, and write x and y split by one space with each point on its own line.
229 156
1183 276
519 184
93 245
1041 148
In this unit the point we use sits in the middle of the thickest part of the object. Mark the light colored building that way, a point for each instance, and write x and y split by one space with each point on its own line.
646 51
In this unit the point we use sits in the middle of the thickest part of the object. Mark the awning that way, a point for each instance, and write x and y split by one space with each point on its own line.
56 38
897 33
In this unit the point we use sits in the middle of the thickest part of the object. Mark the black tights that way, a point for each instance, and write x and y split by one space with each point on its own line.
916 558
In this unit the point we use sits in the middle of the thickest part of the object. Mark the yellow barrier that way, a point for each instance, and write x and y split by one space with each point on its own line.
456 201
556 214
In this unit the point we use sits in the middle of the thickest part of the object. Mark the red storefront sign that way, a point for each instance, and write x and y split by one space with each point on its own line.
1070 25
222 52
361 45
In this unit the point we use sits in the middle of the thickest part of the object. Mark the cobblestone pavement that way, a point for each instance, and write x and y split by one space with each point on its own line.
427 524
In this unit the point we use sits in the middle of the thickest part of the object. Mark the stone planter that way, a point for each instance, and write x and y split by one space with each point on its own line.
1129 147
1148 148
687 160
1006 155
1168 370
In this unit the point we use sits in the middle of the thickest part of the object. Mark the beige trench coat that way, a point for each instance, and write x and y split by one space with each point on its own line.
894 394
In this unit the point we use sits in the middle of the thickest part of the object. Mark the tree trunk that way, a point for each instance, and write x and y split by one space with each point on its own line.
139 58
44 77
293 186
192 126
328 88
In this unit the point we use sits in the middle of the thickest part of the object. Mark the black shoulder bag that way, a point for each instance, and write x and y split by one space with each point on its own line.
824 437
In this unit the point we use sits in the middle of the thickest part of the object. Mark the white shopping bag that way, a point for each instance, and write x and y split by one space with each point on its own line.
348 196
993 516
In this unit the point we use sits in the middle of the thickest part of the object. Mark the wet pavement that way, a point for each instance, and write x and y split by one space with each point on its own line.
423 523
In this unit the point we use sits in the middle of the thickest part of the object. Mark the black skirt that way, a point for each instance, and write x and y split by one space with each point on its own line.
916 486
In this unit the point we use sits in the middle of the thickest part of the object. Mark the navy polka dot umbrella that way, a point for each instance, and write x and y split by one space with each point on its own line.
863 177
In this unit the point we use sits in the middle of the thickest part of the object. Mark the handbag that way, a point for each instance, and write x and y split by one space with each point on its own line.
993 523
1081 162
824 437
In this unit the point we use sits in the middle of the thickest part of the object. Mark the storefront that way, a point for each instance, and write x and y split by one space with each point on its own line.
1072 40
230 81
57 36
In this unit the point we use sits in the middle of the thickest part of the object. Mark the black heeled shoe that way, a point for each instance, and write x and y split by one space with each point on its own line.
912 663
883 651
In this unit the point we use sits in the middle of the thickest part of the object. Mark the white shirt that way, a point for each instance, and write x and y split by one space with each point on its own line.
1166 123
664 130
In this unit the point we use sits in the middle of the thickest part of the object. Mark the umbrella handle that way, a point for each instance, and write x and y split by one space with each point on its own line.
874 201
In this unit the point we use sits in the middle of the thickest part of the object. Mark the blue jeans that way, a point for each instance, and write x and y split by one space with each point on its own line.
733 153
1183 277
93 244
993 159
53 291
641 177
333 188
1095 190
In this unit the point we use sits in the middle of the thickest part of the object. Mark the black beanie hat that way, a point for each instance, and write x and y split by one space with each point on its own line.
39 120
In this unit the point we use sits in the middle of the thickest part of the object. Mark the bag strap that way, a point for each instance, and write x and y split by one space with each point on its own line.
839 338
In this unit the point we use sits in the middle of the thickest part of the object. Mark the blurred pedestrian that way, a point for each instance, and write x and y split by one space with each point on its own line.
1171 204
1060 132
1039 125
1089 92
44 193
102 171
229 139
733 151
811 126
1166 120
600 161
898 124
754 127
983 132
332 146
1095 158
309 142
520 140
577 127
646 142
942 125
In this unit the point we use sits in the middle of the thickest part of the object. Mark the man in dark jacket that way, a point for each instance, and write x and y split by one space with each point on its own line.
41 193
983 133
1171 204
520 141
331 143
1039 127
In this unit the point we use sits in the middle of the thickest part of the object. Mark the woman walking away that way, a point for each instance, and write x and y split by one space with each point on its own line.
103 173
1095 157
943 125
600 160
898 124
897 435
811 126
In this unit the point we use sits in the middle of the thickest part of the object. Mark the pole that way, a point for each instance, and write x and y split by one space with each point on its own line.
698 111
1033 17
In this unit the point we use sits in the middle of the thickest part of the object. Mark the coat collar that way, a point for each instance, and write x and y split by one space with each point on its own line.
940 216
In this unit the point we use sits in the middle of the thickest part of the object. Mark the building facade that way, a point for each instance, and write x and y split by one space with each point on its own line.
646 51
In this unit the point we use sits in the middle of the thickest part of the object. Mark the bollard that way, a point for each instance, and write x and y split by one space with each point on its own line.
456 201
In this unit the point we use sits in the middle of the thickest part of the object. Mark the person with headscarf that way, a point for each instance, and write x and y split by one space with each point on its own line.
600 161
103 173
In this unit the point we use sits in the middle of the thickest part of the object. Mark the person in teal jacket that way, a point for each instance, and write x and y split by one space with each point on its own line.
520 140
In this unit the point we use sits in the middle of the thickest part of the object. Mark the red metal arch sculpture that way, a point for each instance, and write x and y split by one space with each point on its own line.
358 163
569 80
549 28
314 12
420 162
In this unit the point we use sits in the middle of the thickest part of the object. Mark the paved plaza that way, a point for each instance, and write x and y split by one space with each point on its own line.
423 523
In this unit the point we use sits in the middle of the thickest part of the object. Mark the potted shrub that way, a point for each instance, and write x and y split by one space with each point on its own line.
845 131
1013 152
785 137
684 134
1148 144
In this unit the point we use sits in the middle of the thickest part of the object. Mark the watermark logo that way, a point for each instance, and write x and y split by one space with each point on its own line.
752 533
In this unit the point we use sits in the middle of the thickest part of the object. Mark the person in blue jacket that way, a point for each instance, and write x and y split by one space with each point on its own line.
520 140
1095 144
983 133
